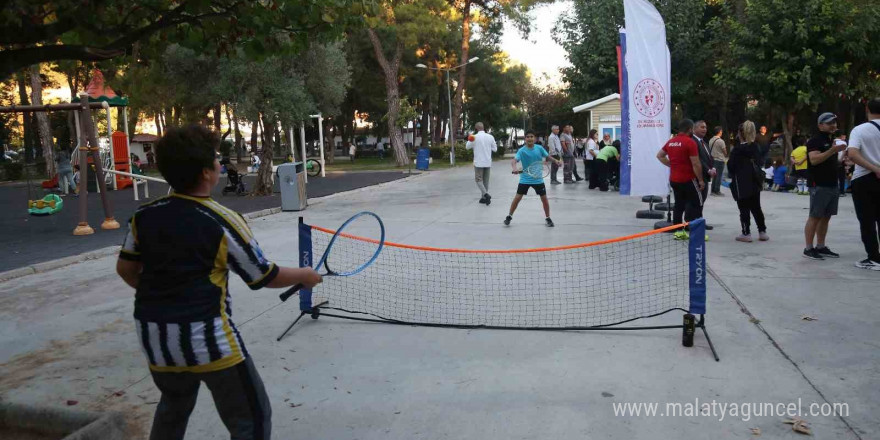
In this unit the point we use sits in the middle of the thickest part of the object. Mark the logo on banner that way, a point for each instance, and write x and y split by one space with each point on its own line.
649 97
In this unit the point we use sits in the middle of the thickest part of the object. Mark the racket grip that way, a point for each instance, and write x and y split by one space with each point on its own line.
290 292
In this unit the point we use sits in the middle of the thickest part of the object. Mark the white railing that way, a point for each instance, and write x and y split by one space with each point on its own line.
138 179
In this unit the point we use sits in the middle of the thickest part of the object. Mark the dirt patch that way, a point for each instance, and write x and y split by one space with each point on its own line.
24 367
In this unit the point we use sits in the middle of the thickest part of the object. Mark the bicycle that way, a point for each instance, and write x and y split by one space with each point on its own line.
313 167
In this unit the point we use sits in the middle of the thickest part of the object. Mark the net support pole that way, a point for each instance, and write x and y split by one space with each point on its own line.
702 325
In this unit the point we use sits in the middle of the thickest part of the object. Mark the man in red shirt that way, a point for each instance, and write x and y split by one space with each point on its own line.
680 154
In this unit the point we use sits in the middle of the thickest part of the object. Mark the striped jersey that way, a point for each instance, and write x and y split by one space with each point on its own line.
182 307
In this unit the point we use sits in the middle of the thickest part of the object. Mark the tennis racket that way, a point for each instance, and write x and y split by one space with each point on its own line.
537 170
350 253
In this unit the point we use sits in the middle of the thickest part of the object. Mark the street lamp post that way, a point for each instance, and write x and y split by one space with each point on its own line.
450 135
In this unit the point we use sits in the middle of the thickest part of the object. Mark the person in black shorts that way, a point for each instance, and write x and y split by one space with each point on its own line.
822 173
177 256
527 155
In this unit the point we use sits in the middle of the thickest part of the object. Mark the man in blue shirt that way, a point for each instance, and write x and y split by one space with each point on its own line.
528 155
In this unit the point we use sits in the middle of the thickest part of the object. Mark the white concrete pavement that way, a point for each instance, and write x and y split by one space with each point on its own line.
67 334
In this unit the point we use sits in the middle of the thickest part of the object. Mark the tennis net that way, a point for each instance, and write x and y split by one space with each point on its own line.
582 286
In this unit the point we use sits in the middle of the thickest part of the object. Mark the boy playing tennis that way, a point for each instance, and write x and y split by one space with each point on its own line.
177 255
528 155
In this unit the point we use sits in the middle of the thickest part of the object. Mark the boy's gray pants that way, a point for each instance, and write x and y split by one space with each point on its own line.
238 395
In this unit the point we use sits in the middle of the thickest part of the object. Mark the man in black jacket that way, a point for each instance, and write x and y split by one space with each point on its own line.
706 160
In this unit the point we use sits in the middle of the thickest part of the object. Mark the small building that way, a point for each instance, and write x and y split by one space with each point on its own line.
604 115
141 144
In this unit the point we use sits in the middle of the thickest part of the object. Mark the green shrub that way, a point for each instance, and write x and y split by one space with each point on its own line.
13 170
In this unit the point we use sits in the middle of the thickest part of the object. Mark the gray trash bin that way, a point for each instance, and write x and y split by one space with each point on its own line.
291 178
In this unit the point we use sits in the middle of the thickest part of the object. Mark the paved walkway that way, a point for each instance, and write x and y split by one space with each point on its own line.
68 335
29 240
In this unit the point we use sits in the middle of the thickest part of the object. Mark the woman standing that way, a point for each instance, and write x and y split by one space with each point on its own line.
747 183
592 149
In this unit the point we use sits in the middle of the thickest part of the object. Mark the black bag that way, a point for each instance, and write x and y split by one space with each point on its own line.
757 175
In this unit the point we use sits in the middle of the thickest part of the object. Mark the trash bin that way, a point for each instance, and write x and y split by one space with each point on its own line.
423 159
291 179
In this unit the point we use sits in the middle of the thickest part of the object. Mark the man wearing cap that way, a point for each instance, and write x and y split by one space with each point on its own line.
822 174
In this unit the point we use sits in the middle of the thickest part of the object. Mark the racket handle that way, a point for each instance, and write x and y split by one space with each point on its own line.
290 292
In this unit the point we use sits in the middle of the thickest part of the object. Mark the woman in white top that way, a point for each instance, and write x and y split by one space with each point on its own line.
589 154
351 151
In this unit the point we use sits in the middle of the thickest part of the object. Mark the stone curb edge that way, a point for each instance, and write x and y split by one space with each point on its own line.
47 266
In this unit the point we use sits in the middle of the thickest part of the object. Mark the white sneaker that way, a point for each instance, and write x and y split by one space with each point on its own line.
868 264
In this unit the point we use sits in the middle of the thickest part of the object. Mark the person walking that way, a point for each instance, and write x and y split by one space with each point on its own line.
568 145
747 183
864 151
822 173
719 156
380 150
680 154
483 145
352 150
555 147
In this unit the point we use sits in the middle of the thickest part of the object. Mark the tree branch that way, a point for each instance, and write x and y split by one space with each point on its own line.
13 60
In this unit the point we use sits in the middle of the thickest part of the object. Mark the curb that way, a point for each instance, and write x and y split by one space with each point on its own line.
57 422
47 266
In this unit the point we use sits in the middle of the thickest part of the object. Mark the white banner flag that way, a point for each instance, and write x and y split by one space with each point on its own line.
649 97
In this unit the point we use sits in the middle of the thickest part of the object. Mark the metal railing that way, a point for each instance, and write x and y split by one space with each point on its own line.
143 181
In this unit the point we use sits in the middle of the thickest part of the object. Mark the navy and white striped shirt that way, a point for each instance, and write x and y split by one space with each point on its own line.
183 308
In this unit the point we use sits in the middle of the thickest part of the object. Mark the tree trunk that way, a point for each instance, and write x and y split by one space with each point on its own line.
465 53
263 186
238 139
158 119
392 93
787 119
28 126
255 130
218 122
43 128
329 145
426 131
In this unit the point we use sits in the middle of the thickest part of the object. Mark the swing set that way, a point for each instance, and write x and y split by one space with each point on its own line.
89 156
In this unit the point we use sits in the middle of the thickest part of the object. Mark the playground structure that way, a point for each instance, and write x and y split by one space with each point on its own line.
88 154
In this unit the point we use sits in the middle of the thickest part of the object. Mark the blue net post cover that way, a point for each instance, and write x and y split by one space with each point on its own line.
305 260
697 266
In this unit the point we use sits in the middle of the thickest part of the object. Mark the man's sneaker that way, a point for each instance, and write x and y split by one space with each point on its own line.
745 238
804 193
549 222
484 200
842 194
578 179
763 236
718 194
567 182
868 264
682 235
488 197
554 182
507 220
812 254
827 253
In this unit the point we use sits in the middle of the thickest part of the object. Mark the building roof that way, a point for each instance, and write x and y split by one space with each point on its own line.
590 105
143 137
